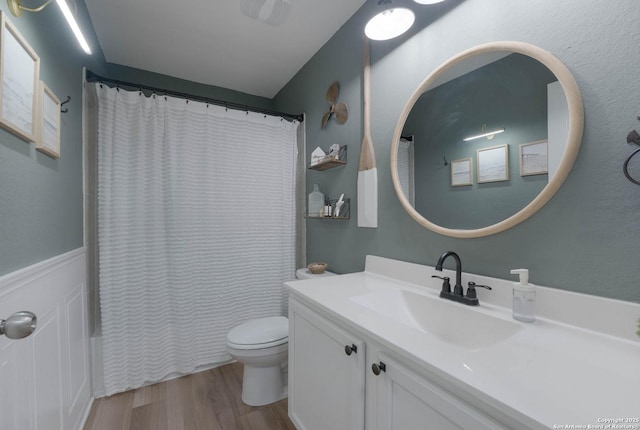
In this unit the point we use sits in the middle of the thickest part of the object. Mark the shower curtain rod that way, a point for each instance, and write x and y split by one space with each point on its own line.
92 77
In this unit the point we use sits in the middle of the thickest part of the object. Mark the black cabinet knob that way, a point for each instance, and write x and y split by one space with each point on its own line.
350 348
376 368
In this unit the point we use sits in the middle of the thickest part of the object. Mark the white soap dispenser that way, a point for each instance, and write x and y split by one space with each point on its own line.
524 297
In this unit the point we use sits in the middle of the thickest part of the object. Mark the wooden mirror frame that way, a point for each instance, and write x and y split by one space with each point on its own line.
574 136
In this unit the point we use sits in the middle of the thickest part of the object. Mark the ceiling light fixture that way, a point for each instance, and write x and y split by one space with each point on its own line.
488 134
389 23
428 1
16 9
274 12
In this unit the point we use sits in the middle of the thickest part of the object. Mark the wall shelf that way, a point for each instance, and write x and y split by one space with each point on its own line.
345 211
329 162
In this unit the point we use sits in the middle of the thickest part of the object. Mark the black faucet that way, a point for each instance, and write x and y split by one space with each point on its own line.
458 293
457 288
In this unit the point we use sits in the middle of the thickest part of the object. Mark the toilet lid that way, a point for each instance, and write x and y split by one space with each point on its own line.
259 331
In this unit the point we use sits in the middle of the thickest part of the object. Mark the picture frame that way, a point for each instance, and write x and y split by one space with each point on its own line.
493 164
461 172
48 141
19 83
534 158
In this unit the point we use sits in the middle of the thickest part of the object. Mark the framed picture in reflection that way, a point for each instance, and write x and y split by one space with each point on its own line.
461 172
534 159
493 164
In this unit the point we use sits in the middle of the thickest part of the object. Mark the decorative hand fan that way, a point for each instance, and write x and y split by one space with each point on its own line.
335 107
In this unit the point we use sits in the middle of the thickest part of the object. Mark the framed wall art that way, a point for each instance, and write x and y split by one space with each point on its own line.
48 122
534 159
19 82
493 164
461 172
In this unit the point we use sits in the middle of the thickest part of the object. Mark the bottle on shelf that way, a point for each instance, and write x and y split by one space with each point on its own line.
327 207
316 202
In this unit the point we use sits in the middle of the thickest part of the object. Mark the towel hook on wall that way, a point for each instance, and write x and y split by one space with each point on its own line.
632 137
65 110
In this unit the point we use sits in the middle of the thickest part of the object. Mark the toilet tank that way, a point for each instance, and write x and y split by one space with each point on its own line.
304 273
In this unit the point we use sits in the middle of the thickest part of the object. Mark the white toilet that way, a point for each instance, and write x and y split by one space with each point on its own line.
261 345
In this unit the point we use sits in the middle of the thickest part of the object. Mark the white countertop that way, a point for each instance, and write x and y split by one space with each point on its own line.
547 374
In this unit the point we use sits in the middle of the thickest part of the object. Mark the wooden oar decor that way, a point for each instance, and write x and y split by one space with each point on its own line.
367 171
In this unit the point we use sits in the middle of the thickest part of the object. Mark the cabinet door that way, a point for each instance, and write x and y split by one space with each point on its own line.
408 401
326 385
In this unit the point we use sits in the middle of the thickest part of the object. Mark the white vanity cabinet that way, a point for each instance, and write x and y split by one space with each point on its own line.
327 386
326 373
491 373
406 400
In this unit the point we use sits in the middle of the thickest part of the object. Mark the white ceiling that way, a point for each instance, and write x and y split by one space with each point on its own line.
212 42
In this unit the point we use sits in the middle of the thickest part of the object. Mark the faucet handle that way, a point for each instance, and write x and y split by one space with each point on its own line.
471 290
446 286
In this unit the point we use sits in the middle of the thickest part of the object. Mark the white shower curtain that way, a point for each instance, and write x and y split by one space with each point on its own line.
196 229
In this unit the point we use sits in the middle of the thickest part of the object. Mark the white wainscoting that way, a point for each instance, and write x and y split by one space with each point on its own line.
44 378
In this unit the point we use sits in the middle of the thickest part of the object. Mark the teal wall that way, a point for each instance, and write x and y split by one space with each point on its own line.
510 93
157 80
587 238
41 199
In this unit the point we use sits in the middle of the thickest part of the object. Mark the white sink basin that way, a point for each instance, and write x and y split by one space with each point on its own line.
450 322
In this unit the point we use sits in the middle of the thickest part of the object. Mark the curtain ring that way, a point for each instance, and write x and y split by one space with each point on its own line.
625 168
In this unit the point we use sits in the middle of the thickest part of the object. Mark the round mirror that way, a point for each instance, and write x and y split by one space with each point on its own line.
486 139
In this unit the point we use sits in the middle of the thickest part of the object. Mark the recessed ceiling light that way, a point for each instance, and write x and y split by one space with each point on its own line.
274 12
428 1
389 24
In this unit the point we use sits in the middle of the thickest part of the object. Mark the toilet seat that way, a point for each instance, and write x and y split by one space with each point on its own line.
259 333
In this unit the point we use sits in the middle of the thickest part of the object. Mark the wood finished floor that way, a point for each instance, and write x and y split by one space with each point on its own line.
208 400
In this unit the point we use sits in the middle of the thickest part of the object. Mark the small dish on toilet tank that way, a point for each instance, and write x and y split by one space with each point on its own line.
317 268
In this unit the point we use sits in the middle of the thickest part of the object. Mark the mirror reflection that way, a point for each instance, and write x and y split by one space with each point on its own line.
461 183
